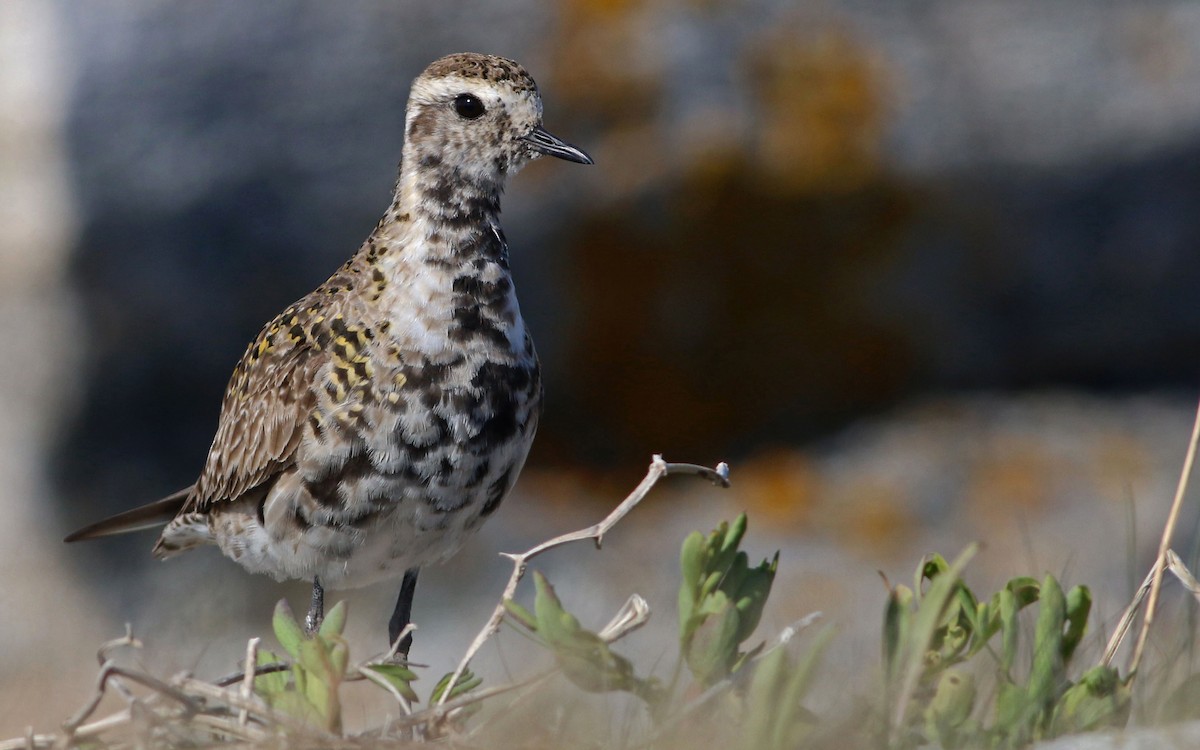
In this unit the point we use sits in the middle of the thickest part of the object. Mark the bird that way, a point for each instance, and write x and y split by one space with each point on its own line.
373 425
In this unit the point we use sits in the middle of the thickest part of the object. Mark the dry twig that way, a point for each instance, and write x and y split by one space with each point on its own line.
229 707
1164 544
658 469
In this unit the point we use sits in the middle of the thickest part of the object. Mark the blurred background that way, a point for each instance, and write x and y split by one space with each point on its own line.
925 272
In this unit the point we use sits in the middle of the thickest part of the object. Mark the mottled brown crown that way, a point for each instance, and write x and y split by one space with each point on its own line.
489 68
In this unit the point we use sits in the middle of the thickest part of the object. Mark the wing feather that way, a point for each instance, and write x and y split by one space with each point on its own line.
263 416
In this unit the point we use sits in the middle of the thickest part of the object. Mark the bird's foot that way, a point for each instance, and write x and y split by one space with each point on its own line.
316 610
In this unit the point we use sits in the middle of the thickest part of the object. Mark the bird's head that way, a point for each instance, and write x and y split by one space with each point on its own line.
479 117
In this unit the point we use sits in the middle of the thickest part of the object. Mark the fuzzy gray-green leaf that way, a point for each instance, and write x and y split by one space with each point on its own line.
1047 668
287 631
398 676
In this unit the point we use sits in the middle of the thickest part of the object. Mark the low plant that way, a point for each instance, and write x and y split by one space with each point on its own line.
936 631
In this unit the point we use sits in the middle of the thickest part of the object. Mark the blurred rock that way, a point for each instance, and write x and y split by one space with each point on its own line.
799 215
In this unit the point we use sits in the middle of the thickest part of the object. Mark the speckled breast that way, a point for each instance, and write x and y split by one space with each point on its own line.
403 474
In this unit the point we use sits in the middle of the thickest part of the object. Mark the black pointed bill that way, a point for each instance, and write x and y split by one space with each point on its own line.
552 145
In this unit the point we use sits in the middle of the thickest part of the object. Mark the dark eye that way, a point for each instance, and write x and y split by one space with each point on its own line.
468 106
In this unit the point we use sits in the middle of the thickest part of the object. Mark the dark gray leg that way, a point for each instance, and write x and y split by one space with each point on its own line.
316 610
402 615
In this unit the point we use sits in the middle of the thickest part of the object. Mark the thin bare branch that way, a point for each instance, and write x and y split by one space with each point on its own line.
106 672
364 672
259 671
388 656
1114 642
124 641
658 469
438 713
632 615
1176 565
1165 544
229 726
257 707
248 681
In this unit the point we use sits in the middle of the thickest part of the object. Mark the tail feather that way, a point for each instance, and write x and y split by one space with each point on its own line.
182 534
147 516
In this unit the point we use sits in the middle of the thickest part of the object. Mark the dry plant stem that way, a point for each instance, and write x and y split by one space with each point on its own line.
125 641
435 715
1176 566
658 469
362 671
258 709
99 726
106 672
259 671
1163 545
248 681
632 615
366 674
1126 621
391 652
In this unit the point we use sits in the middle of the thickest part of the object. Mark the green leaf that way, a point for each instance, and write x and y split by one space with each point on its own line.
1079 606
948 712
733 576
929 612
765 688
287 631
1010 632
776 690
275 682
466 683
1100 700
585 659
296 705
399 677
339 656
314 657
1024 589
897 623
1014 716
713 647
790 710
1047 671
733 534
334 622
691 567
555 625
751 596
321 684
934 566
520 614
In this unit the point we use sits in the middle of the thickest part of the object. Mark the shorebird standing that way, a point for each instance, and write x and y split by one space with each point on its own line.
375 423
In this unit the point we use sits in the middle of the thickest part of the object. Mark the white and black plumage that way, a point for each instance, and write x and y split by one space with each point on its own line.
375 423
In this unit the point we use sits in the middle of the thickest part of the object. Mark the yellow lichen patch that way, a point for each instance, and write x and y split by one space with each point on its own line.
1014 474
780 486
873 513
820 99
